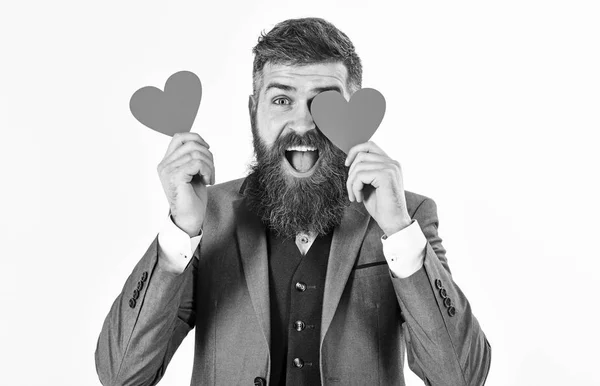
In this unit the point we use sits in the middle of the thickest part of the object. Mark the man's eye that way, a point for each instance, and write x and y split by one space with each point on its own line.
281 101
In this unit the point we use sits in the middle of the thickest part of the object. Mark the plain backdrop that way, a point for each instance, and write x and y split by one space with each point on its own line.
492 110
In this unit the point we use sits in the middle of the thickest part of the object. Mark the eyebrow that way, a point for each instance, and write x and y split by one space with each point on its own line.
327 88
280 86
286 87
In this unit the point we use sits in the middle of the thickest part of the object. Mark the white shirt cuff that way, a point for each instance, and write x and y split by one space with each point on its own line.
175 247
405 250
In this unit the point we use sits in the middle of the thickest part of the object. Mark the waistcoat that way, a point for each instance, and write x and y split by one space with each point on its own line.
296 288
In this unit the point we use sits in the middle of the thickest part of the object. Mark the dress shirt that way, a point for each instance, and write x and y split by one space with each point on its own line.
404 250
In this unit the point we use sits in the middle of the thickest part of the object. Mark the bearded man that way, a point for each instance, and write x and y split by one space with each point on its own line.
316 268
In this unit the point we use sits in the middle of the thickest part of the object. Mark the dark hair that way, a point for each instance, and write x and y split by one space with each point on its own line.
306 41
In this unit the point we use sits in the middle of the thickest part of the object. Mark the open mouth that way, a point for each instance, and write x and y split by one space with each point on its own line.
302 160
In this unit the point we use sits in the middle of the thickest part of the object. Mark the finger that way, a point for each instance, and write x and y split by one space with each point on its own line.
188 170
368 157
193 150
362 166
362 178
194 155
187 148
376 176
367 147
361 158
181 138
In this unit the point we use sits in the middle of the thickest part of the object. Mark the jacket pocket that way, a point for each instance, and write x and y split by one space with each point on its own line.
370 269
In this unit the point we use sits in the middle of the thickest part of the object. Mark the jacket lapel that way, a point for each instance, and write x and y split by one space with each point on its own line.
345 244
250 235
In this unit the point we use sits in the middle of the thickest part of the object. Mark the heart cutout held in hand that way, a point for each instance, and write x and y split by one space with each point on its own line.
347 124
172 111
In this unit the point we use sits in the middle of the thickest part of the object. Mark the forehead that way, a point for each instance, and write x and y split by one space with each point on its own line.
306 76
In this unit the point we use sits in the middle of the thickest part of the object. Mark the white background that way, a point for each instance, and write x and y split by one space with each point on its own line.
493 111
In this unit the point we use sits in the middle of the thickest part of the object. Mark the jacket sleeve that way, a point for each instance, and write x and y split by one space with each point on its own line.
146 323
445 344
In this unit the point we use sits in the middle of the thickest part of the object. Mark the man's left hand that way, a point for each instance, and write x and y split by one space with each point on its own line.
376 180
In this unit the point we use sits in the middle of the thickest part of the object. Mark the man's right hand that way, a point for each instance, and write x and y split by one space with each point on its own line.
184 172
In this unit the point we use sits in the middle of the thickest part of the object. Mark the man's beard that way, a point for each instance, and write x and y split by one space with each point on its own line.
287 204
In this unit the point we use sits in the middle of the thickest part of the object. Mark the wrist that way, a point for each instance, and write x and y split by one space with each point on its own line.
390 230
192 228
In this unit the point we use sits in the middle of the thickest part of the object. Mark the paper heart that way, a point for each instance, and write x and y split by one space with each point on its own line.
172 111
347 124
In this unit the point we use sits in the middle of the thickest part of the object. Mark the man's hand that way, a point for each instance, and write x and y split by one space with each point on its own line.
184 172
376 179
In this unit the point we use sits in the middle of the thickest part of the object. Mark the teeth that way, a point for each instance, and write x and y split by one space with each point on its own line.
301 148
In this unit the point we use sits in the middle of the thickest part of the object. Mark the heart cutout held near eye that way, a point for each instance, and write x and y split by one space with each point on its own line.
347 124
172 111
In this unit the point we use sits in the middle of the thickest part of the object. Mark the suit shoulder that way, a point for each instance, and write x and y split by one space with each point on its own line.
225 191
414 200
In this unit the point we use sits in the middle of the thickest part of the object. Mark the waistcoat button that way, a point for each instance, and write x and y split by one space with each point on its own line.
299 363
301 286
299 325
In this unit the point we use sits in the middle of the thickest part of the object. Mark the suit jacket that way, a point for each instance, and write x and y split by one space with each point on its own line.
370 319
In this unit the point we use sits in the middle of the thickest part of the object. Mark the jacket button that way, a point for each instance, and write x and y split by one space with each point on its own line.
447 302
145 276
301 286
299 325
132 303
452 311
299 363
438 283
140 285
258 381
443 293
136 294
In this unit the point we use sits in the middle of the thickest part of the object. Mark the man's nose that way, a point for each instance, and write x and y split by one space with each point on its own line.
302 120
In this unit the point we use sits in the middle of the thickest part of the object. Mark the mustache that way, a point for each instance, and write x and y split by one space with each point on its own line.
312 138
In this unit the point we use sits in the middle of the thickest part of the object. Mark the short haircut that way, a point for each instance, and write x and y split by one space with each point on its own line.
302 42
